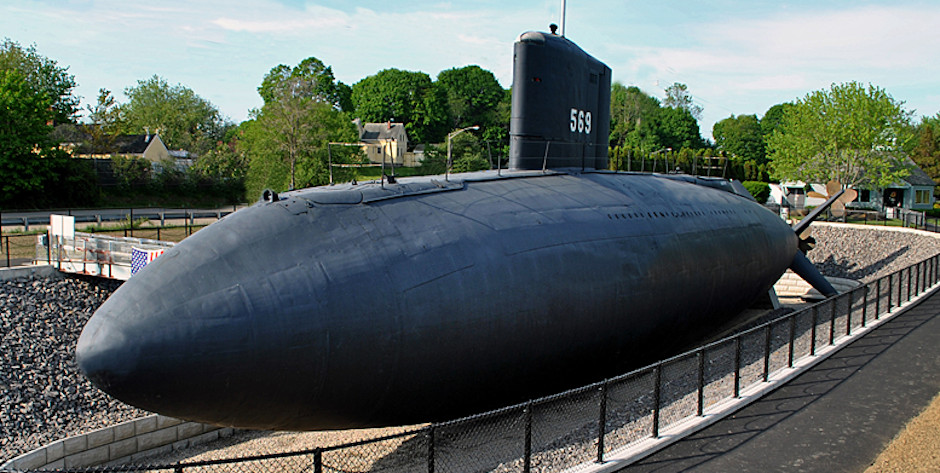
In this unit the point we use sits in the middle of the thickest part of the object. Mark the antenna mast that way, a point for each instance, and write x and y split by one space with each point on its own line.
563 18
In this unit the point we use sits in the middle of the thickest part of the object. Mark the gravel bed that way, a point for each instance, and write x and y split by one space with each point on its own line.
866 254
44 398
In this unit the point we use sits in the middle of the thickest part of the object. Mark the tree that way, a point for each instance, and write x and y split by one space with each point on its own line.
105 118
850 133
678 96
318 82
44 77
772 119
473 95
404 97
926 149
631 114
740 136
24 135
183 119
285 142
677 128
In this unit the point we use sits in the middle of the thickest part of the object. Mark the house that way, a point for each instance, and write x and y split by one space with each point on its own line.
147 146
383 142
914 192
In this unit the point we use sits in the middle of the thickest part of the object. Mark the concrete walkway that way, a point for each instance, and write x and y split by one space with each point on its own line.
836 417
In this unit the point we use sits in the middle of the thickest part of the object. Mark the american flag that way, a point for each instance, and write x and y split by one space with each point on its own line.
140 258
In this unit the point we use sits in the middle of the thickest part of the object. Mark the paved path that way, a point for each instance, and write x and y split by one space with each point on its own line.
836 417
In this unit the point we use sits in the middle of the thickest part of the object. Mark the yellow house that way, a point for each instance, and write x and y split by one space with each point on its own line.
383 142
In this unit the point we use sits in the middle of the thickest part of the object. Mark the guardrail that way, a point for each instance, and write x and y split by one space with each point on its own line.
584 427
30 218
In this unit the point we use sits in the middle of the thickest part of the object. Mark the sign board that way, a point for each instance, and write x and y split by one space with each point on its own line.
62 225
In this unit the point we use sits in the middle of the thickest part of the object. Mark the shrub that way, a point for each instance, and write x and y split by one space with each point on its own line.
760 190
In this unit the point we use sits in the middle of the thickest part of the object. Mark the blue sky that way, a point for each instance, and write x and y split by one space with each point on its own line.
736 57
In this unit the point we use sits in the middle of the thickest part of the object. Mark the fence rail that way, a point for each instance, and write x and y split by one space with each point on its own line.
574 429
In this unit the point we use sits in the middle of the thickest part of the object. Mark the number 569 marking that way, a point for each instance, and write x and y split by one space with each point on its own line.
580 121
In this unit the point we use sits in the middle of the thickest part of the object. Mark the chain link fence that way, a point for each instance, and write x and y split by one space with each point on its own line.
574 429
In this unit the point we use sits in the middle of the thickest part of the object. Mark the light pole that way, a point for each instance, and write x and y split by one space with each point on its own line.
449 136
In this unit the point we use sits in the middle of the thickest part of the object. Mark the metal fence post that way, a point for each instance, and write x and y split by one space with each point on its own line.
737 366
701 382
864 305
792 318
527 453
890 291
812 333
910 280
430 436
318 461
832 321
848 318
8 250
767 353
602 422
657 375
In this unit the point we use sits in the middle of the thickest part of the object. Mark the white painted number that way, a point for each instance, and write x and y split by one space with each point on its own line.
580 121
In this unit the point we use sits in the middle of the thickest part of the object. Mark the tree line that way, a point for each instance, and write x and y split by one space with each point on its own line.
855 133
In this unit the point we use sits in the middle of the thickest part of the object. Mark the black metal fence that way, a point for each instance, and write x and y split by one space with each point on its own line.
591 423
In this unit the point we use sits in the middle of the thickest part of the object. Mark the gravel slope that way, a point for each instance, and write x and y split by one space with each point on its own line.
43 396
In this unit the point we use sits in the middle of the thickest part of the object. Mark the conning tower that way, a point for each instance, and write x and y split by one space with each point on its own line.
560 105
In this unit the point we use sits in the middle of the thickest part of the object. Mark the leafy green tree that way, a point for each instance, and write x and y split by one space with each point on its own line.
183 119
678 96
473 96
773 118
468 154
44 76
631 114
105 119
286 141
677 128
317 81
740 136
405 97
24 135
926 148
851 133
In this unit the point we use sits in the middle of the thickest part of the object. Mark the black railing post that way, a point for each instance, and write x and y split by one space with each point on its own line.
832 321
812 333
178 468
657 378
767 354
8 250
527 453
318 461
602 422
890 291
848 318
430 436
701 382
737 366
792 341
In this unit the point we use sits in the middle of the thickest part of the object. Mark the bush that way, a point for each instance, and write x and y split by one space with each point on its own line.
760 190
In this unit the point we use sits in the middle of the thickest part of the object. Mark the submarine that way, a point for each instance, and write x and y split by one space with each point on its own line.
429 298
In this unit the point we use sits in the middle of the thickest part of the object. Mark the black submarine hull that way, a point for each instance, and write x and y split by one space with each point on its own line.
425 300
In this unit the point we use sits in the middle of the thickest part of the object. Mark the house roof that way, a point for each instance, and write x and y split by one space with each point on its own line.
133 144
372 132
918 177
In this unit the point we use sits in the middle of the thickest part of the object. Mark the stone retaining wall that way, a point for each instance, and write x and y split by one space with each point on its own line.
120 444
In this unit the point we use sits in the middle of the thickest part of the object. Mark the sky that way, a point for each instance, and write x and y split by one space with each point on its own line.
736 57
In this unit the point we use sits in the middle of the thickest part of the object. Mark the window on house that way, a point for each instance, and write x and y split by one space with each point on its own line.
864 195
921 197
